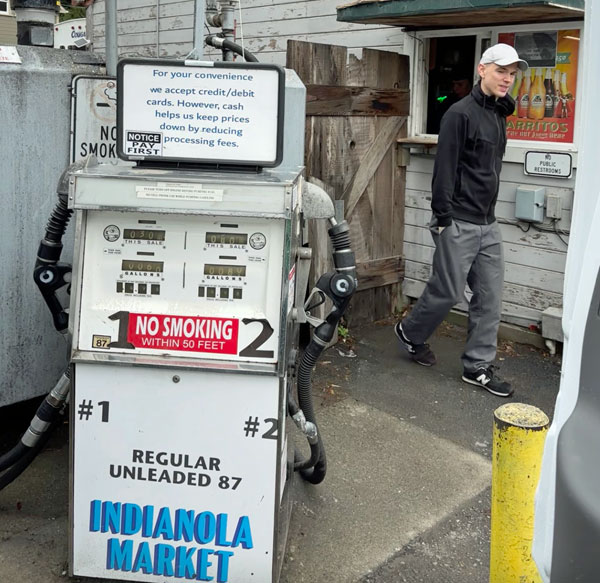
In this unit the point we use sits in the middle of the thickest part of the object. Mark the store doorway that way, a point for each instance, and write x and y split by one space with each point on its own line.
451 75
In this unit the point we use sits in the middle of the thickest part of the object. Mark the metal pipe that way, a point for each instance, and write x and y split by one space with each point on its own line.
213 18
228 26
199 16
112 53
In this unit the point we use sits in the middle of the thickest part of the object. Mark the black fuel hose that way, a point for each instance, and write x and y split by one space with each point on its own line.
42 424
13 472
51 246
221 43
314 469
340 287
12 456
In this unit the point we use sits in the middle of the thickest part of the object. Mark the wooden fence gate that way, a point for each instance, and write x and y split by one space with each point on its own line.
355 112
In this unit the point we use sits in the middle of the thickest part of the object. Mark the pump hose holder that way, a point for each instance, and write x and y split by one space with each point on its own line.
338 286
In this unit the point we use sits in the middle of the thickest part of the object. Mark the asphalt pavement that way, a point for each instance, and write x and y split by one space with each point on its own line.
407 493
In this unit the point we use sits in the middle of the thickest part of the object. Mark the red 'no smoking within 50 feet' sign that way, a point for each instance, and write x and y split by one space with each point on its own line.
186 333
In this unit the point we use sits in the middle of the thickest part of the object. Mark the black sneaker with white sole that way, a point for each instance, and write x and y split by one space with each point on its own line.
420 353
484 378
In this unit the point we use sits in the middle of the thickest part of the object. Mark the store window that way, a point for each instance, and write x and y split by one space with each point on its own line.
545 95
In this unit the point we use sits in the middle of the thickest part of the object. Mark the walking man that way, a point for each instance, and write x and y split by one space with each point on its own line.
468 242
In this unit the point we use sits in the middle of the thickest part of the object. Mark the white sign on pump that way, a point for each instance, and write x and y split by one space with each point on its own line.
174 474
200 112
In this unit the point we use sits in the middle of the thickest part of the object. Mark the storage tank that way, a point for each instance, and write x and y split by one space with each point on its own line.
34 145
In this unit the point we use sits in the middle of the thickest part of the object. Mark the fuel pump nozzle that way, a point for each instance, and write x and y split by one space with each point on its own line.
338 286
49 274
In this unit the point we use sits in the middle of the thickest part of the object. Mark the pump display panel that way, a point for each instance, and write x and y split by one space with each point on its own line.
200 112
206 287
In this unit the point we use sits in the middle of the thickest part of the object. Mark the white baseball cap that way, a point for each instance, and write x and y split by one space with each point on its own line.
502 54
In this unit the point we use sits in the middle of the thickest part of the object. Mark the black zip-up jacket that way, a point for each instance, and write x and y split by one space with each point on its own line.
471 143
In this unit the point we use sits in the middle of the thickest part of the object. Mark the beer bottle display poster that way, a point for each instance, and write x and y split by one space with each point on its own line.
545 94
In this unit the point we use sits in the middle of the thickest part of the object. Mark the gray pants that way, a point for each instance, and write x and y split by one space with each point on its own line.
464 253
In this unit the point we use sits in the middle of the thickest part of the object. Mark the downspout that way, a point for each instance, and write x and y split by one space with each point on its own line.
112 54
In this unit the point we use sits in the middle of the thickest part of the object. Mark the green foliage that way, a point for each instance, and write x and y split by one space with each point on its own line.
343 332
74 12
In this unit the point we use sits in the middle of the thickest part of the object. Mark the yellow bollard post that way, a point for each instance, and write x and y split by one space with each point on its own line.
519 434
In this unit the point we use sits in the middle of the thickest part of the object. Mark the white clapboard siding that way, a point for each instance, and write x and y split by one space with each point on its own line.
534 260
513 313
266 26
505 209
525 294
536 278
421 169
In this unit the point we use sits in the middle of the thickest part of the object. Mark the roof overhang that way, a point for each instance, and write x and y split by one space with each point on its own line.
435 14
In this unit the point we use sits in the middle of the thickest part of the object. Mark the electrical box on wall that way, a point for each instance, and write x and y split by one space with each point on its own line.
529 203
553 206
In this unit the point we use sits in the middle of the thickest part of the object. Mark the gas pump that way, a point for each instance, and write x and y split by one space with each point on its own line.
187 291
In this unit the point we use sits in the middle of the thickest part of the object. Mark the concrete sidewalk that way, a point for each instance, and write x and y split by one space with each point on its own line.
406 497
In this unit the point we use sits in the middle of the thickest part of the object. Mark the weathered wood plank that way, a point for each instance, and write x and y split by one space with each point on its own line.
418 178
533 297
149 38
317 64
325 156
361 225
98 7
514 173
511 313
379 147
506 196
379 272
374 304
513 254
271 50
510 235
399 202
528 276
360 310
420 199
543 239
355 156
334 100
384 232
295 26
386 69
306 19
